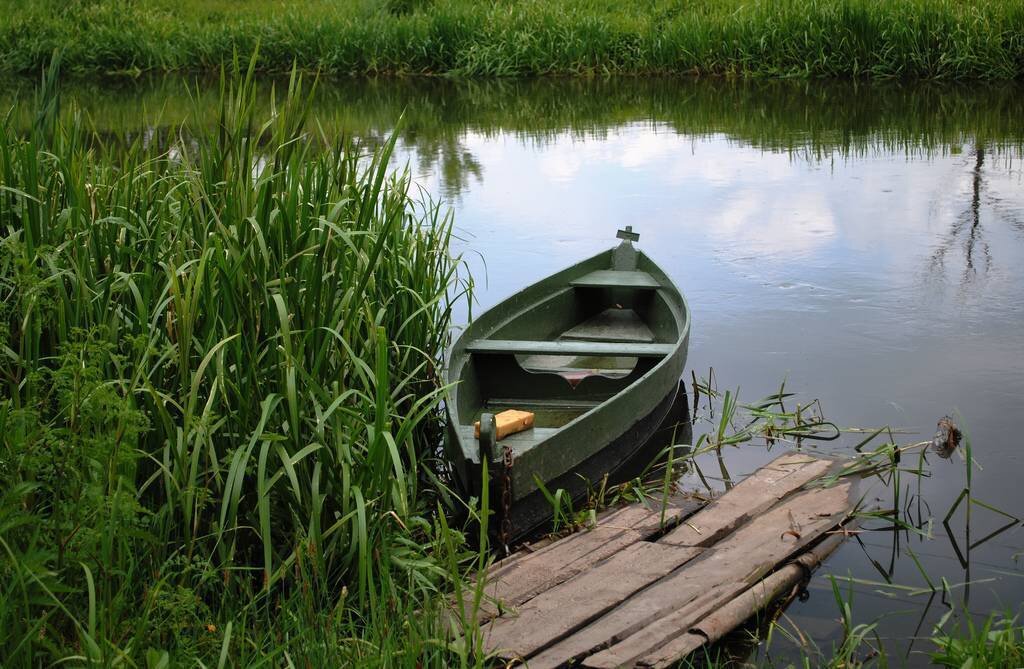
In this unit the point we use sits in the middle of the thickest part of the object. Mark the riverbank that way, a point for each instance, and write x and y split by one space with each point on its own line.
219 397
919 39
199 461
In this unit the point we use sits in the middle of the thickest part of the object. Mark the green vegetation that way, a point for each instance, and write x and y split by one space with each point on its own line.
219 399
823 117
933 39
218 386
997 642
809 120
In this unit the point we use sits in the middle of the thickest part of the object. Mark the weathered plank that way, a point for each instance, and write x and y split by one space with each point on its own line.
514 581
734 613
556 612
650 618
754 495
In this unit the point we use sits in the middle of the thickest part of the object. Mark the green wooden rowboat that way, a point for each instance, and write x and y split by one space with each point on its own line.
595 351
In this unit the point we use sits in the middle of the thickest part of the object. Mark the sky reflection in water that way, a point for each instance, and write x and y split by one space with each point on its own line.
888 285
866 243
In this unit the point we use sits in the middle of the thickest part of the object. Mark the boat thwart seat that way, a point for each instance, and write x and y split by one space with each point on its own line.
611 278
616 324
569 347
519 442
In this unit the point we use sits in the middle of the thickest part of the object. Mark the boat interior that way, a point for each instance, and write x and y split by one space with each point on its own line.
569 352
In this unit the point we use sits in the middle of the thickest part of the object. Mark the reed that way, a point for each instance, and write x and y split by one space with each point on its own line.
997 642
931 39
220 391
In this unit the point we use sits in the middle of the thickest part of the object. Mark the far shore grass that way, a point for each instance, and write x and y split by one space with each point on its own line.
906 39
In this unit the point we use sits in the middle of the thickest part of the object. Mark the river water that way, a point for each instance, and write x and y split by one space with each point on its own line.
863 242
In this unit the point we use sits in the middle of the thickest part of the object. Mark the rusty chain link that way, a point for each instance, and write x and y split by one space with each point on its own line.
506 498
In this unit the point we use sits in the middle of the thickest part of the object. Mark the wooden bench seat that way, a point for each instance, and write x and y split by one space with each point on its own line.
568 347
610 278
520 442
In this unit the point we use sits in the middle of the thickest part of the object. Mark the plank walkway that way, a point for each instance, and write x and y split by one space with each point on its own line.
646 587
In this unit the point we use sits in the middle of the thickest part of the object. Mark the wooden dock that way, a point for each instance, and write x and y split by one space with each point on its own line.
647 586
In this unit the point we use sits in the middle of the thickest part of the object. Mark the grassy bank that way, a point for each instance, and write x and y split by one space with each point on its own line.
932 39
219 398
812 121
823 118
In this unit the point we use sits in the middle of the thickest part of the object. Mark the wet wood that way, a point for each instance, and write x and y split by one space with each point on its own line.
650 619
556 612
754 495
739 610
517 579
630 593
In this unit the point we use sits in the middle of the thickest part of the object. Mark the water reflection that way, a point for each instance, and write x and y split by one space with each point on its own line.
457 168
866 242
966 230
818 121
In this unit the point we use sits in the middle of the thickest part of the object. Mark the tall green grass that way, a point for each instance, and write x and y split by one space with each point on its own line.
219 395
997 642
933 39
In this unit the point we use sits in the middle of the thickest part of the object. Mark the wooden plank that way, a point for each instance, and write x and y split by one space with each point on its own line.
535 403
610 278
650 618
612 325
517 579
518 442
556 612
752 496
569 347
734 613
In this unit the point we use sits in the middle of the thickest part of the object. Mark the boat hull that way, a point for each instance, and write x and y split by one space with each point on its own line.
623 458
638 315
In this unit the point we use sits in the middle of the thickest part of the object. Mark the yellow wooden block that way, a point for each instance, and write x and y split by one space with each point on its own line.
508 422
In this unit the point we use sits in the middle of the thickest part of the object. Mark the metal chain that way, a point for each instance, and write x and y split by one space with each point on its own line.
506 497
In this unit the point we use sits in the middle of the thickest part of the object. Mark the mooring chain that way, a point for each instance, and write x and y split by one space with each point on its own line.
506 497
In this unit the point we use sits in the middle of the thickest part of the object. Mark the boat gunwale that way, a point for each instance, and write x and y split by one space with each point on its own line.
458 356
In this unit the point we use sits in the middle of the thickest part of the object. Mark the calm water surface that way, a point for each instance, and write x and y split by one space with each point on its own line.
864 243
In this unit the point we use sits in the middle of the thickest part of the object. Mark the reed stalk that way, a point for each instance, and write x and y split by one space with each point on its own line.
219 392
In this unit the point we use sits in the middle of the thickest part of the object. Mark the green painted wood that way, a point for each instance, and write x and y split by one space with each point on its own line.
520 442
627 234
612 325
536 321
569 347
530 403
605 278
610 366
